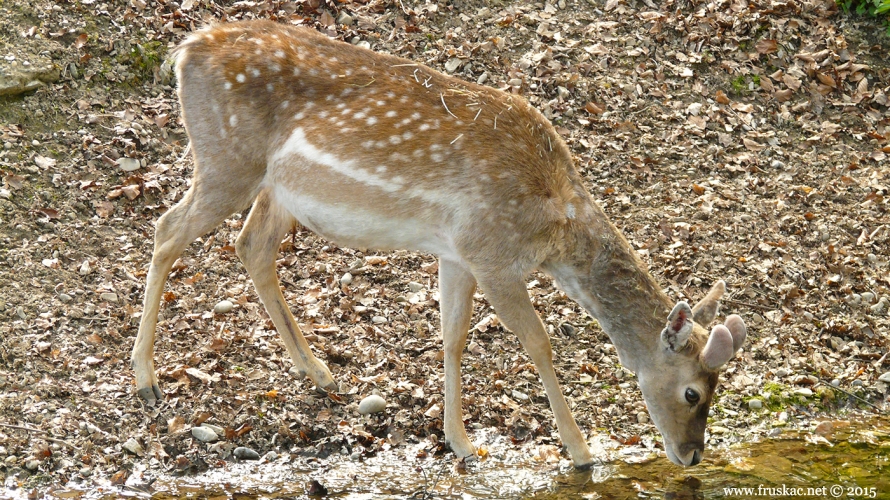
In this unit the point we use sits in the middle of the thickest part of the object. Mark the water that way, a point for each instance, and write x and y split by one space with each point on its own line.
837 460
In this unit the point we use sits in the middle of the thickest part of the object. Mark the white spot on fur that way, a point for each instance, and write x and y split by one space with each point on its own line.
390 114
394 139
371 120
255 72
279 53
270 87
228 85
299 116
296 71
570 211
240 78
233 120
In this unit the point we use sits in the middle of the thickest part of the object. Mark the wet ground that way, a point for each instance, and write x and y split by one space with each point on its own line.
835 459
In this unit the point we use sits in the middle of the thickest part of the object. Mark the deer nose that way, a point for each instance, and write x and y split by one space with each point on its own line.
696 457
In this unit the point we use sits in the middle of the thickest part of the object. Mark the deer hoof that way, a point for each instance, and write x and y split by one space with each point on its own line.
151 394
584 467
329 387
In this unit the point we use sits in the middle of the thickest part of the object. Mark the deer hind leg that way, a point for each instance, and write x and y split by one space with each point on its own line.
510 300
202 208
257 246
456 287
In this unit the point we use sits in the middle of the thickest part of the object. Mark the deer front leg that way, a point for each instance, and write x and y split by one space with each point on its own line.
456 287
510 300
257 246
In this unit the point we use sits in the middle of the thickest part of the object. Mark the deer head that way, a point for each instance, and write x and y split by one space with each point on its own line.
679 380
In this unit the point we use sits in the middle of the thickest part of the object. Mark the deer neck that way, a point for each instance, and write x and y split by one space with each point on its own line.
598 269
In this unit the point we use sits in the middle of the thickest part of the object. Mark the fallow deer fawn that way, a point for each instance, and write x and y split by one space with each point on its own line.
374 151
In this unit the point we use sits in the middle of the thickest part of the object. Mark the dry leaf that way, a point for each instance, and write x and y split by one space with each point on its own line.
766 46
753 145
721 97
594 109
80 41
783 95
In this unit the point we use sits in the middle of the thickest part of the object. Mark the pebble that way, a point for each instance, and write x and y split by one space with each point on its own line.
414 286
867 297
204 434
378 320
371 404
133 447
65 298
85 268
223 307
244 453
345 279
836 382
716 429
783 417
215 428
804 392
857 383
109 297
345 19
642 418
32 464
452 64
519 395
782 372
777 164
885 378
755 404
271 456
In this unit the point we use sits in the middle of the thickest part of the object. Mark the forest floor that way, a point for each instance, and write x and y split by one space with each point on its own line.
737 140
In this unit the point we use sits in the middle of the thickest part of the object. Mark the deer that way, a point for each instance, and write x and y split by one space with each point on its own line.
374 151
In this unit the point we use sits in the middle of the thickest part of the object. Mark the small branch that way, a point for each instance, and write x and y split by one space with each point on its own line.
869 403
38 431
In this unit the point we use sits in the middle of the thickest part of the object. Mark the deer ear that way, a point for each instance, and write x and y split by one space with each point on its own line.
719 349
679 327
706 310
737 329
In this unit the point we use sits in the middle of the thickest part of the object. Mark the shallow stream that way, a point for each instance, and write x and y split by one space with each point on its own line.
837 459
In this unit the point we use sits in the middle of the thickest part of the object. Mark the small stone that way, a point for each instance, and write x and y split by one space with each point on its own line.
244 453
204 434
716 429
868 297
32 464
755 404
885 378
215 428
109 297
519 395
378 320
65 298
782 372
85 268
804 392
783 417
857 383
452 64
776 164
345 19
128 164
133 447
371 404
270 457
642 417
836 382
346 279
223 307
414 287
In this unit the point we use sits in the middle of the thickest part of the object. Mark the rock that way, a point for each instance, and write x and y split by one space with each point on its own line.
378 320
521 396
128 164
867 297
371 404
204 434
32 464
836 382
857 383
109 297
223 307
345 19
642 417
755 404
346 279
716 429
777 164
85 268
414 287
65 298
782 372
215 428
804 392
244 453
270 457
133 447
18 77
452 64
783 417
885 378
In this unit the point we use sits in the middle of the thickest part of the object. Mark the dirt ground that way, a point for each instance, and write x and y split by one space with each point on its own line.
736 140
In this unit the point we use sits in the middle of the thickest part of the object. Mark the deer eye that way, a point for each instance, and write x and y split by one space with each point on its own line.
692 397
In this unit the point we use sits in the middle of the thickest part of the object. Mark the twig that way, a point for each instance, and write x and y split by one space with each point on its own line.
869 403
38 431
